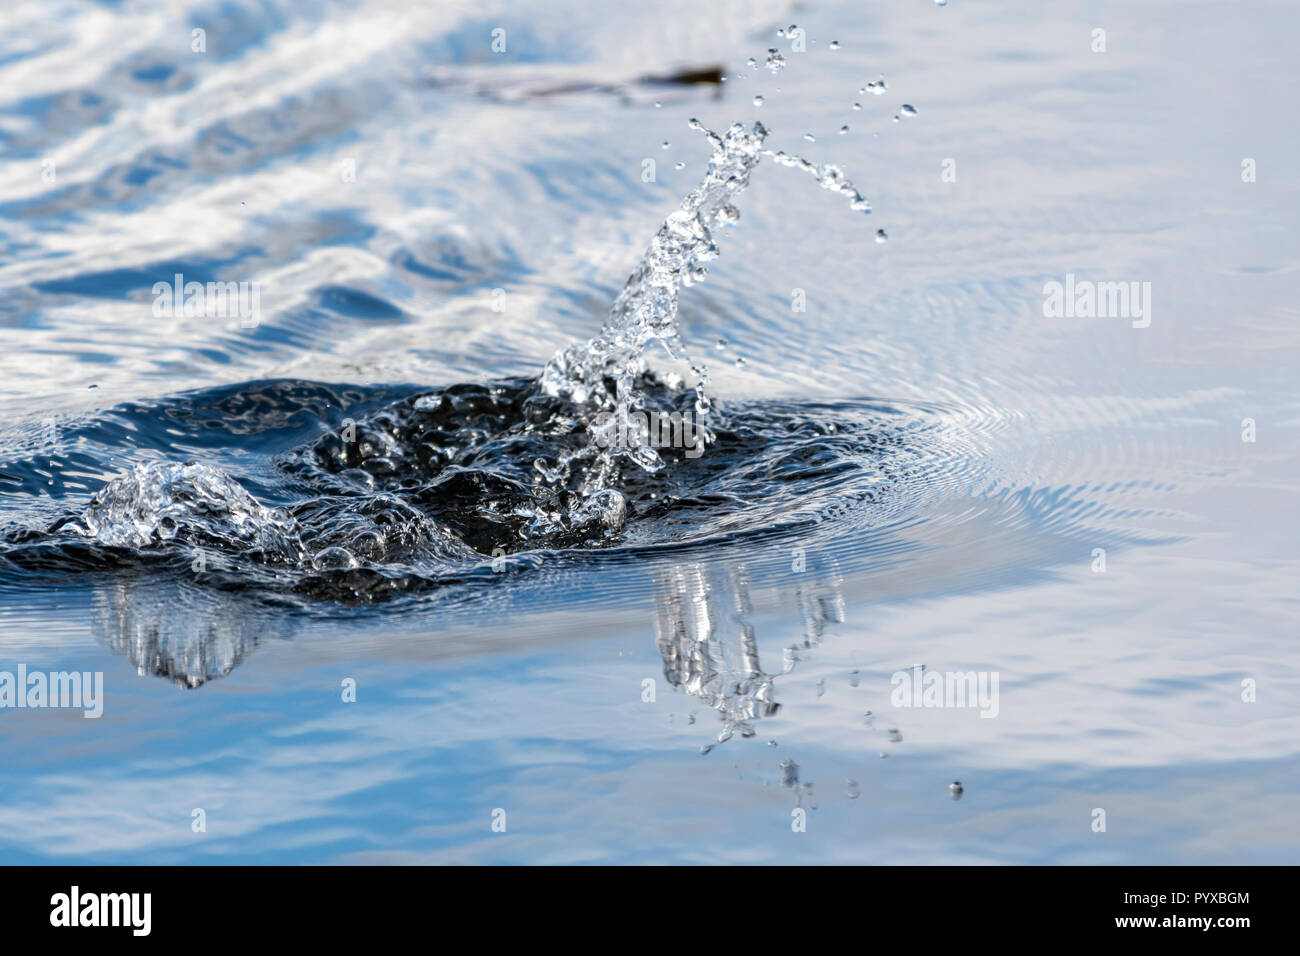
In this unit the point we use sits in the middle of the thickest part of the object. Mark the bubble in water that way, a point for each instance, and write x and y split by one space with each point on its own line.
758 101
880 236
334 558
908 110
775 61
852 789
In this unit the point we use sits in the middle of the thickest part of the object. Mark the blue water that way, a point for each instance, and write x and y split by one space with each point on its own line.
926 466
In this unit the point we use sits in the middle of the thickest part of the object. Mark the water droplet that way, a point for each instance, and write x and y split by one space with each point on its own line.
666 144
956 789
852 789
775 61
789 773
895 737
908 110
722 343
810 137
758 101
880 236
941 3
679 165
740 362
821 687
853 678
857 106
843 130
835 44
751 62
658 105
895 117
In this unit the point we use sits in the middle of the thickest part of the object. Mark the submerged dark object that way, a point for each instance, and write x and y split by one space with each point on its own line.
360 494
532 82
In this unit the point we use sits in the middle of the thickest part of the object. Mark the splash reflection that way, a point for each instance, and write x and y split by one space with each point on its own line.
706 638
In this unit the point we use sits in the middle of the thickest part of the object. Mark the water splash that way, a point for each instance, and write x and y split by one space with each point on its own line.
159 501
576 424
600 376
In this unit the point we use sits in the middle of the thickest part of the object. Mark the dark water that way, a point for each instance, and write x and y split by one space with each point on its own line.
918 469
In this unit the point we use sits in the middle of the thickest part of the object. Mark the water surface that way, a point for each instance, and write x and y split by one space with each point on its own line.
917 469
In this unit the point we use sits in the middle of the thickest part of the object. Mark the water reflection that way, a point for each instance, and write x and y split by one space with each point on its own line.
185 633
707 641
190 634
